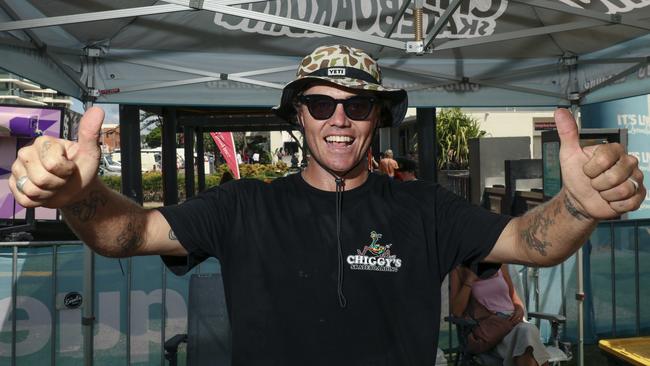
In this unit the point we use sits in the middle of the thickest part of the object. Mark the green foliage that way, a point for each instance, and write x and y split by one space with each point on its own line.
152 181
453 131
154 138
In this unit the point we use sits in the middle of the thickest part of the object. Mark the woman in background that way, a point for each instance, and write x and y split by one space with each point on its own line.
522 346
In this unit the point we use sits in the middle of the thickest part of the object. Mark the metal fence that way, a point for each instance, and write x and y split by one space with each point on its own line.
137 305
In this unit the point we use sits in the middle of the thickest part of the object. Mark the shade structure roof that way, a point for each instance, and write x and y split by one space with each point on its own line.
234 53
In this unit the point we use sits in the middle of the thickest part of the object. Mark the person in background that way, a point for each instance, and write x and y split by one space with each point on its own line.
405 170
522 346
387 164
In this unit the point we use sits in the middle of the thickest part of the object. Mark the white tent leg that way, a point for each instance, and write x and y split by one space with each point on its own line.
580 291
88 311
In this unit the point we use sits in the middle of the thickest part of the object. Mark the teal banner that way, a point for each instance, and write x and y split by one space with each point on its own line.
137 303
632 114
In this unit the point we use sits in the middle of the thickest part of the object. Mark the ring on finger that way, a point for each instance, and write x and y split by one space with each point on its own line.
20 183
634 183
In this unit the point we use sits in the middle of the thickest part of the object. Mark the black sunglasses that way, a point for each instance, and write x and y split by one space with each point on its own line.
323 106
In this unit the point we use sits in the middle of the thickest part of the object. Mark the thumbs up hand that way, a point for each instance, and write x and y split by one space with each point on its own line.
602 181
54 172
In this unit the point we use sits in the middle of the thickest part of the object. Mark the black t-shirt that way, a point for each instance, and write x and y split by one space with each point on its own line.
278 250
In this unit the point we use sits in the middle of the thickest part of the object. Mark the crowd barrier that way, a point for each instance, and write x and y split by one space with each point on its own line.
41 299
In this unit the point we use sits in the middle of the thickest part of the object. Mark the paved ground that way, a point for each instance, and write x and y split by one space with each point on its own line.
593 357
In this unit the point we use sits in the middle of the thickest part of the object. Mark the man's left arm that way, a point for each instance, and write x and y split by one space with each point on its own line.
599 182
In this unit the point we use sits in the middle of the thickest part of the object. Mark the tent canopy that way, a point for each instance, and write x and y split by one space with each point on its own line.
240 53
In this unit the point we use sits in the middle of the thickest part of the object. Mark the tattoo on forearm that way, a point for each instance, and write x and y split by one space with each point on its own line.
573 210
536 234
172 235
131 238
86 209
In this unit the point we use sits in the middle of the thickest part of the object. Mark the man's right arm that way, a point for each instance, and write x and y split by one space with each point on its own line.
114 226
62 174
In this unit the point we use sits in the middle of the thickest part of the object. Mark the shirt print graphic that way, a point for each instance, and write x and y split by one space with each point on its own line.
375 257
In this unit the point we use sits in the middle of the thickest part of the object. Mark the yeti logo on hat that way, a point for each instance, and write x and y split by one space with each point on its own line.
336 71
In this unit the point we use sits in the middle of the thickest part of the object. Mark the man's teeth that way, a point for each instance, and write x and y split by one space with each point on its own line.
339 139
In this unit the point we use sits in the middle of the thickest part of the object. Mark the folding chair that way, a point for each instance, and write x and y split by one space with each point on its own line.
559 352
208 335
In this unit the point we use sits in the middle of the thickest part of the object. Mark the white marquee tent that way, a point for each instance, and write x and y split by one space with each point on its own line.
241 52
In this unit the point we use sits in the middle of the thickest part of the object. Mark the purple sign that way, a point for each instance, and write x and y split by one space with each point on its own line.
19 126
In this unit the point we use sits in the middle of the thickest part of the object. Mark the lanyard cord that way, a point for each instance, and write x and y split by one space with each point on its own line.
340 187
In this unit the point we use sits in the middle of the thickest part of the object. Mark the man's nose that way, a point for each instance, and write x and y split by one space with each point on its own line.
339 118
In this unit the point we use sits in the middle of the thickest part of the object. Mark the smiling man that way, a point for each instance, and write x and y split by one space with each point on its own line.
333 266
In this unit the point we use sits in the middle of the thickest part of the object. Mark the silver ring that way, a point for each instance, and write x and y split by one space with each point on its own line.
20 183
634 183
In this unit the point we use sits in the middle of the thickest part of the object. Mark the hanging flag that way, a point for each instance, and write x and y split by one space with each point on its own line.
226 144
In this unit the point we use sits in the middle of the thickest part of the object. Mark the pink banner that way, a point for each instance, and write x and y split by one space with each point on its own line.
226 144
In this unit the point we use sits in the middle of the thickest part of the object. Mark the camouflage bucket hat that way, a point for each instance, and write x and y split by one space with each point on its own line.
345 66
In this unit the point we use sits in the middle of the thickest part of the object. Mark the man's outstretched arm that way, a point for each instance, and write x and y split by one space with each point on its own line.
599 182
62 174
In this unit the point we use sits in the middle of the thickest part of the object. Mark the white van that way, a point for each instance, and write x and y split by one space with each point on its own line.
151 159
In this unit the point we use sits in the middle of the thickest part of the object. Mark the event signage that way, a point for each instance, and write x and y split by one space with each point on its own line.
226 144
632 114
473 18
19 126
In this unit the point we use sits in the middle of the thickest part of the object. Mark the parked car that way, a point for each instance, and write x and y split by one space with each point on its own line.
109 167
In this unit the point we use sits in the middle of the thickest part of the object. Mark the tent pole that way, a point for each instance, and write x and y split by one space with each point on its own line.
188 144
200 159
580 292
42 47
444 19
530 32
168 162
109 15
398 16
88 311
579 11
217 7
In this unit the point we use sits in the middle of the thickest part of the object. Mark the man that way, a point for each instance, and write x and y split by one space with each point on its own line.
333 266
387 164
405 171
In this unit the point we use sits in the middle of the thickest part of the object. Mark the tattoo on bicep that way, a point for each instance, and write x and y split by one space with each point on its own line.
131 237
536 234
573 210
172 235
86 209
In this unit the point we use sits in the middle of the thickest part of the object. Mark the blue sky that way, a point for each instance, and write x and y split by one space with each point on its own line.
112 111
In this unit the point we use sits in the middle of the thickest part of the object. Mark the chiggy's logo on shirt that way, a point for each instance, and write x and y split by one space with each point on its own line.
375 257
